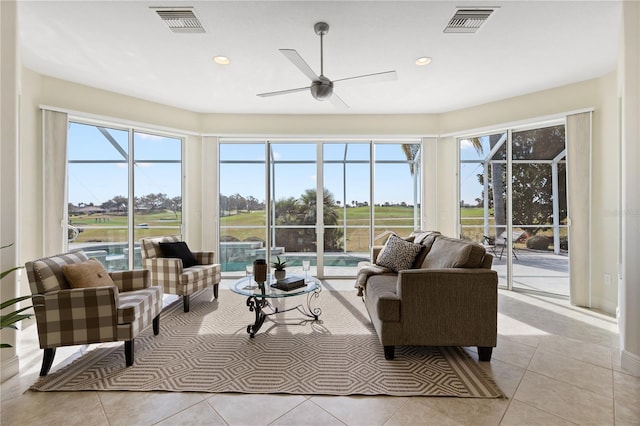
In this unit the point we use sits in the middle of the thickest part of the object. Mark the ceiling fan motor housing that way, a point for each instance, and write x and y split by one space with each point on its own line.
322 88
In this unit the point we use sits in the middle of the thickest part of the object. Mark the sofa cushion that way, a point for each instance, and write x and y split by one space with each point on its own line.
426 242
398 254
89 273
178 250
422 236
453 253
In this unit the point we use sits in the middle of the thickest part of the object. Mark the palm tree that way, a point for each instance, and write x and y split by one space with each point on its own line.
308 204
411 151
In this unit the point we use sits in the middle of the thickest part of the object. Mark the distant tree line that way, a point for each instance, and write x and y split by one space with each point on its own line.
150 203
238 203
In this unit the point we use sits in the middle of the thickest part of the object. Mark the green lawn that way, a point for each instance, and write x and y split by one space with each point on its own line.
112 227
398 219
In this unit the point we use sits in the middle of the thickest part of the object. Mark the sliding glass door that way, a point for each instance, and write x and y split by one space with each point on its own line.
295 212
347 215
513 201
242 204
539 210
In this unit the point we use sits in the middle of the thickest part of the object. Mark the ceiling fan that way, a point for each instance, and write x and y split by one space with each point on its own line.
322 87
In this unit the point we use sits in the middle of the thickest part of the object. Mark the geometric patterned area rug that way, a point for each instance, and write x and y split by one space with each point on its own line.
208 350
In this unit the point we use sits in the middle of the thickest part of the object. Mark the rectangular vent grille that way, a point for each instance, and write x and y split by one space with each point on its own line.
181 20
467 20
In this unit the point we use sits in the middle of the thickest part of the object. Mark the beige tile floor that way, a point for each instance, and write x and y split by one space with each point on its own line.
557 364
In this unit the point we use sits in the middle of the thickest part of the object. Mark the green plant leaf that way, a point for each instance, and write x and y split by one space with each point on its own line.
14 313
8 322
8 271
13 301
5 345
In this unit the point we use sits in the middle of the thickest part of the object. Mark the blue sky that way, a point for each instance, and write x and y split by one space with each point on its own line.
97 183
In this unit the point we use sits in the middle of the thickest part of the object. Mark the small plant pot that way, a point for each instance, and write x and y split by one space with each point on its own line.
280 274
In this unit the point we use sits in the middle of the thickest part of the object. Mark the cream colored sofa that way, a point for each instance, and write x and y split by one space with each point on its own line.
447 297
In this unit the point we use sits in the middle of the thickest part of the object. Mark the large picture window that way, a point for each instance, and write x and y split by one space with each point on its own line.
318 201
123 184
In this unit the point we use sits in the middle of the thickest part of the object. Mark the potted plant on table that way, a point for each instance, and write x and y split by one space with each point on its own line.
279 267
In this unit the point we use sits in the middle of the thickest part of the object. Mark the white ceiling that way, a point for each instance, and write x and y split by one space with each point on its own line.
124 47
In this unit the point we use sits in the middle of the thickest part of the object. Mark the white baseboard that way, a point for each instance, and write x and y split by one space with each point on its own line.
9 368
605 306
630 363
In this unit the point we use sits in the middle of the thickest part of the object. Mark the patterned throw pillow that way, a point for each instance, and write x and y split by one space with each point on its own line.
398 254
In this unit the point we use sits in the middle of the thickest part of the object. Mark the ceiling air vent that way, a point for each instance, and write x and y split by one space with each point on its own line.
181 20
467 20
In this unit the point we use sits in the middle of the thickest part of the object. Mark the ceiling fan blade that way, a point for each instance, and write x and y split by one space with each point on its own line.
338 102
371 78
283 92
297 60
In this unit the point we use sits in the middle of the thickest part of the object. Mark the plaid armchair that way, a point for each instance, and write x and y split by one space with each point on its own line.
68 316
170 274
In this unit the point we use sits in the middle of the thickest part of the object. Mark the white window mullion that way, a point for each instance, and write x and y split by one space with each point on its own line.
131 204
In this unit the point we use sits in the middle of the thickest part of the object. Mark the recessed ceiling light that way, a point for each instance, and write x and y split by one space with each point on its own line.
423 60
221 60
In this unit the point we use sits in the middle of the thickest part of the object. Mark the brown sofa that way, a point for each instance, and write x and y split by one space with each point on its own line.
448 296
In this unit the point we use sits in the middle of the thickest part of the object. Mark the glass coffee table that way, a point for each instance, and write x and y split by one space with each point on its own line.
259 298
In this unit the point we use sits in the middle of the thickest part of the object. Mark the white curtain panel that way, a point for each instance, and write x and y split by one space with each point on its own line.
54 193
579 202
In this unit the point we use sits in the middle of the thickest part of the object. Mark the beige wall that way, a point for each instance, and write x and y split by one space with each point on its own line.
598 93
9 147
351 124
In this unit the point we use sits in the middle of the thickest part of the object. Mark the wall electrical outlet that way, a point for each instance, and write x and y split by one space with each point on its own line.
607 279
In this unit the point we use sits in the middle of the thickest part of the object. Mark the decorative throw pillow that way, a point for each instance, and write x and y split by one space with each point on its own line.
179 250
89 273
398 254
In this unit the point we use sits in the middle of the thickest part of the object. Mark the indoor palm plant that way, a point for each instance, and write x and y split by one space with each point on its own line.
12 318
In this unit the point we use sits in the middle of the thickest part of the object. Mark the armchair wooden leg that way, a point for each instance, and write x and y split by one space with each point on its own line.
185 302
215 291
47 360
128 352
389 352
484 353
156 325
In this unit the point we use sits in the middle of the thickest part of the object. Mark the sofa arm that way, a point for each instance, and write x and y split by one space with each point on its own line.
87 315
166 266
205 257
375 251
456 301
131 280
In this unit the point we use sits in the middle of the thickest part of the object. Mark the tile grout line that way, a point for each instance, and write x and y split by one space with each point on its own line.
526 369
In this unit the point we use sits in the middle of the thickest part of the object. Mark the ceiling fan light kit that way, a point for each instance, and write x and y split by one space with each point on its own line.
321 87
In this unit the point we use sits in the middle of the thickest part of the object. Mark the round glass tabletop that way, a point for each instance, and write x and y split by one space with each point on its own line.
248 287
